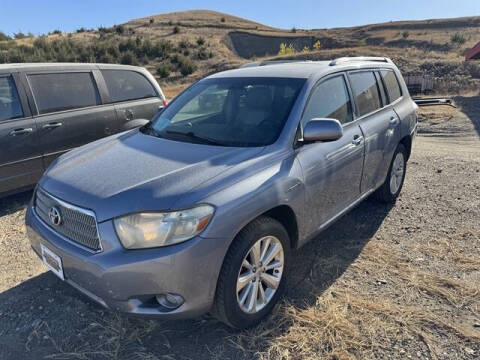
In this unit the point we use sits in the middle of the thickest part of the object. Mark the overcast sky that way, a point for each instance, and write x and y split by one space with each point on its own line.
42 16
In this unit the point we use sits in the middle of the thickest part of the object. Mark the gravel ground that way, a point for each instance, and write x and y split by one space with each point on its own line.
393 282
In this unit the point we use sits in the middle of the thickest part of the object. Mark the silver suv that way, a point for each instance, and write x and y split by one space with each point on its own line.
200 209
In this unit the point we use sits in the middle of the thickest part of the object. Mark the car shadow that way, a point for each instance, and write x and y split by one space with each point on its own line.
14 203
51 317
470 106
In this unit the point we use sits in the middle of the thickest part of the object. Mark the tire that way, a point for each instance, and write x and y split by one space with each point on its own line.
387 193
228 306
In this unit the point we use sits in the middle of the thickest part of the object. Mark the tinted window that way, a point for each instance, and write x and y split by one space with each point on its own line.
10 106
391 83
365 90
330 100
229 111
127 85
63 91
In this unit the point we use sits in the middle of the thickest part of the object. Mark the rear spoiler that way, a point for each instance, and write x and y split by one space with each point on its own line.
434 101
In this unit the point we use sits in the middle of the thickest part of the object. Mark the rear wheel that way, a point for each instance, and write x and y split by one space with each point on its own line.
393 184
252 278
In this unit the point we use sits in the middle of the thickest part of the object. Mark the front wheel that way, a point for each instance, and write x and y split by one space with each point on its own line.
393 184
252 278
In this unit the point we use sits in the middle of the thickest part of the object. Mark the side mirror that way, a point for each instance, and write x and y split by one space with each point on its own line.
322 130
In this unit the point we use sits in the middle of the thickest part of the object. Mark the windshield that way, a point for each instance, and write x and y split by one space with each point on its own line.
242 112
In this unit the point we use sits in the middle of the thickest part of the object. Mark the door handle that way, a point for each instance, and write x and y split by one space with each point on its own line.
20 131
394 120
52 125
357 140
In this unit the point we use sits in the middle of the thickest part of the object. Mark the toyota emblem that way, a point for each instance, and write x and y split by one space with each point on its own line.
54 216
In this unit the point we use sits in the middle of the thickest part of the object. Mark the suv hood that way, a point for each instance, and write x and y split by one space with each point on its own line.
134 172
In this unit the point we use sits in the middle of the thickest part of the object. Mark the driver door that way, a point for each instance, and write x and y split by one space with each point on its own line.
332 170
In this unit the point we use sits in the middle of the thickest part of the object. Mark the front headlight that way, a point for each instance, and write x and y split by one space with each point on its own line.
146 230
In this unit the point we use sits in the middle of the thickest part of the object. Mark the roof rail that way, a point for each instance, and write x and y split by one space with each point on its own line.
272 62
344 60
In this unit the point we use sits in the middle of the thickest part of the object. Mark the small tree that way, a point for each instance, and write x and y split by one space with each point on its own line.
405 34
222 19
151 21
317 45
294 29
176 29
200 41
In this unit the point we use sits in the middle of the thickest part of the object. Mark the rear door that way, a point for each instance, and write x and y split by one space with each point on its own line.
379 124
133 95
20 157
68 111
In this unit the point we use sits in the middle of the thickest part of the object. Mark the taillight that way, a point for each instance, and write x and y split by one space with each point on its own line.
164 102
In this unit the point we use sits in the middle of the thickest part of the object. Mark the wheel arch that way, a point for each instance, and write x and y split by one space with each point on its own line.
407 142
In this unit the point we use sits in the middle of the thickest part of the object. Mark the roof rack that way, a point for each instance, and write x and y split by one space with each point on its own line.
344 60
273 62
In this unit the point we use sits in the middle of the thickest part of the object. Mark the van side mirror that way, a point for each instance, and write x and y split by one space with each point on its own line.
322 130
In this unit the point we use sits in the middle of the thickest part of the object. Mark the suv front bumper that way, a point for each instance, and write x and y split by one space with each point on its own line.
129 280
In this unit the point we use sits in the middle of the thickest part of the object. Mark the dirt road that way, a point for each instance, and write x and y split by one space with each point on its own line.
384 282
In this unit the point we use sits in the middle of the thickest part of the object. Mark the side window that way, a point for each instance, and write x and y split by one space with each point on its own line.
391 83
126 85
365 90
330 100
63 91
10 106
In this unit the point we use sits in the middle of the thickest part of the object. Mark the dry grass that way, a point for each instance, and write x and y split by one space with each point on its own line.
350 320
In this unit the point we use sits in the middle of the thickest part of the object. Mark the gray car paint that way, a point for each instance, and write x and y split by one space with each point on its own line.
133 172
23 158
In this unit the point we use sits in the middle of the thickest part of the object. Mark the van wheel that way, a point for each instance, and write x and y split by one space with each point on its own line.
252 278
393 184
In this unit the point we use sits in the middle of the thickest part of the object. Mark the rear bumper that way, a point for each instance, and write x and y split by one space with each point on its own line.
128 280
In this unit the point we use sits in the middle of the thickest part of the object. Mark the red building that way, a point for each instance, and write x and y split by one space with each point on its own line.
473 53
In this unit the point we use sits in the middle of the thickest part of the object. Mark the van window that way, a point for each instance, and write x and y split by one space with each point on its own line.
365 90
10 106
126 85
63 91
391 83
330 100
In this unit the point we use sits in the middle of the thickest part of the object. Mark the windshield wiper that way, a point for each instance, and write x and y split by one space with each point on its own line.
193 136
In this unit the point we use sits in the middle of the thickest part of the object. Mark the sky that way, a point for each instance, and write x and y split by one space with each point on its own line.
43 16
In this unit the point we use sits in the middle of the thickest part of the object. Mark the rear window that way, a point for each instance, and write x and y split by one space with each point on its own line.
391 83
63 91
124 85
10 106
365 90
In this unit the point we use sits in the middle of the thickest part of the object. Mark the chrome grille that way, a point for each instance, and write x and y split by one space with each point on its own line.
78 225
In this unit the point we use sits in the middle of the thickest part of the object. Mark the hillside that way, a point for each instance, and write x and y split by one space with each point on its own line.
181 47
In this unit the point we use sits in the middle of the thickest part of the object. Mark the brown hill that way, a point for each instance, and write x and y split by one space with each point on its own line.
184 46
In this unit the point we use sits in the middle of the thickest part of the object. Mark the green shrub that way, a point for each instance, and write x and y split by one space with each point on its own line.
185 65
405 34
119 29
164 70
202 54
4 37
184 44
222 19
81 30
200 41
151 21
56 32
294 29
176 29
129 58
458 38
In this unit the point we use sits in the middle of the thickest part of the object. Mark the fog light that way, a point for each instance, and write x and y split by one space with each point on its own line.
169 300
